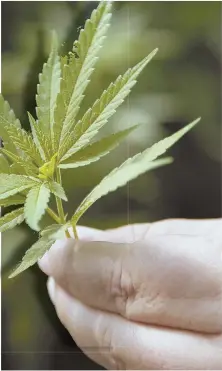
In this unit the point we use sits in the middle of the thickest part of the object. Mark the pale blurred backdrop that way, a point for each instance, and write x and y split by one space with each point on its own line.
180 84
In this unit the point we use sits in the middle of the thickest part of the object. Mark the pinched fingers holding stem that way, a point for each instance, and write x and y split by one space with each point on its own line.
170 277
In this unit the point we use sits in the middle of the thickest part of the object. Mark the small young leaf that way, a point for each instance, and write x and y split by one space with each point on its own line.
47 91
12 184
10 220
78 69
96 150
13 200
36 203
103 108
131 169
47 170
4 165
32 255
57 190
24 142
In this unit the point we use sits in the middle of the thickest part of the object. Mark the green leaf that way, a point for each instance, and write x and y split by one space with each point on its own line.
47 91
4 165
163 145
119 177
40 140
12 184
22 164
55 231
25 143
36 203
50 230
10 220
15 168
32 255
7 117
12 200
96 150
104 107
78 68
49 236
131 169
57 190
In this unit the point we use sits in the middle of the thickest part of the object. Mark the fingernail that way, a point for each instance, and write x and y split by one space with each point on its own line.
51 286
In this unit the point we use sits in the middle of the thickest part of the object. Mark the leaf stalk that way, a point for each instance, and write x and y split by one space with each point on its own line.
53 215
75 232
59 203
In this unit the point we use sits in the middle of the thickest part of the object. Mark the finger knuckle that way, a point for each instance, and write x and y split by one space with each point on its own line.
121 286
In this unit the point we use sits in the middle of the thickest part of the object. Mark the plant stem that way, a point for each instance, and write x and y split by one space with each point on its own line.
58 200
75 232
60 210
53 215
59 203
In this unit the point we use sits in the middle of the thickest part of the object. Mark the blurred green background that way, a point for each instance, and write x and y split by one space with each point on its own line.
180 84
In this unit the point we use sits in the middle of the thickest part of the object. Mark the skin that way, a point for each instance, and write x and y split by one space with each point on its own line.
143 296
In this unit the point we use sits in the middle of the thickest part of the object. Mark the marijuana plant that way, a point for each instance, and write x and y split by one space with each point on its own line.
31 163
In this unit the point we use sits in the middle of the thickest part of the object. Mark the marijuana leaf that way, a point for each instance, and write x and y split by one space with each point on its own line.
4 165
47 91
103 108
10 220
32 255
96 150
57 190
49 236
7 117
25 167
12 184
55 231
36 204
12 200
30 163
78 68
40 140
25 143
18 168
131 169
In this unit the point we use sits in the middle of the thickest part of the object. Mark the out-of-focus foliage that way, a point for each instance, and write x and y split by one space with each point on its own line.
182 83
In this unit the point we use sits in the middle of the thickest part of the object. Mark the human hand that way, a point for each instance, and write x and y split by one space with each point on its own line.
150 298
